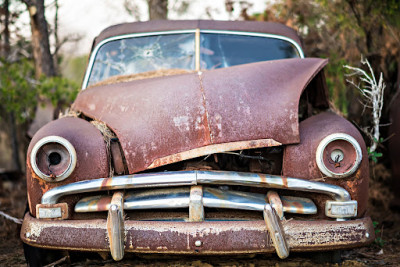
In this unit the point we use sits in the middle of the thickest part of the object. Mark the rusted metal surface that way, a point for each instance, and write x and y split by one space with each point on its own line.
346 163
258 104
170 25
117 158
92 159
115 226
341 210
46 210
227 237
276 203
276 231
196 208
297 161
212 149
299 205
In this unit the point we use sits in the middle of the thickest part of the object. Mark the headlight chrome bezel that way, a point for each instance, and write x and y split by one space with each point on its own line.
335 137
58 140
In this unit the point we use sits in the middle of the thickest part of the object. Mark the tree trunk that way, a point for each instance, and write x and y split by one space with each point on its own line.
56 39
44 63
5 49
158 9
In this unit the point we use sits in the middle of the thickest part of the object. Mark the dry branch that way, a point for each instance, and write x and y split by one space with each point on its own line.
372 92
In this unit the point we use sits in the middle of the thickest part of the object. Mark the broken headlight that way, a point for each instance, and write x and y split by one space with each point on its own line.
53 158
338 155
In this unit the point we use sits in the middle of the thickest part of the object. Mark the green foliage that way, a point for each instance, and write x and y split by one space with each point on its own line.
378 239
20 93
57 89
334 80
374 155
74 68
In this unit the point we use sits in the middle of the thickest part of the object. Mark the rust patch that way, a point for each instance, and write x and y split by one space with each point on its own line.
298 206
62 206
206 117
184 112
227 237
263 178
106 183
140 76
284 182
103 203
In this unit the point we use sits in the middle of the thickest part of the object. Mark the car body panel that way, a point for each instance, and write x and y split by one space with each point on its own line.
92 158
260 102
296 161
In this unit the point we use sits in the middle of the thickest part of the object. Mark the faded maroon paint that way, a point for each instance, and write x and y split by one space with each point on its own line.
92 159
172 25
299 160
155 118
216 237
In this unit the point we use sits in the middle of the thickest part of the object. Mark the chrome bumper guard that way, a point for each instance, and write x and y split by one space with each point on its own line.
197 198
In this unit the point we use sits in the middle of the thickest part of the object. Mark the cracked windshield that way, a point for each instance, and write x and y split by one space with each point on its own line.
131 56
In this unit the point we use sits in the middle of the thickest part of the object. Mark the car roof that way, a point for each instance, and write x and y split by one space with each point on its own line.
173 25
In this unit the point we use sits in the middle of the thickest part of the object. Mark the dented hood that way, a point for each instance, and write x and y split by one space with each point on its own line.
168 119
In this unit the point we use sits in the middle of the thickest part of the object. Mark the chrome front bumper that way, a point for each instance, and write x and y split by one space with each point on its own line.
187 178
198 196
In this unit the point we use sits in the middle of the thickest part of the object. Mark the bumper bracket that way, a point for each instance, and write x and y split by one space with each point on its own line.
115 226
276 232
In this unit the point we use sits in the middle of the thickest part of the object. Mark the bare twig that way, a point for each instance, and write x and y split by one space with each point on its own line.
62 260
11 218
372 92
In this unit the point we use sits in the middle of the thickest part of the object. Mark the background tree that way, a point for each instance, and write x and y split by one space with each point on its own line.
43 59
342 31
25 81
158 9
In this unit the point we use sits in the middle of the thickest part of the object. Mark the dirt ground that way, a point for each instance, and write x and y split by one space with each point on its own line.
385 250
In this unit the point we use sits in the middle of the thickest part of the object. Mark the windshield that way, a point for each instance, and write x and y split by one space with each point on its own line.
135 55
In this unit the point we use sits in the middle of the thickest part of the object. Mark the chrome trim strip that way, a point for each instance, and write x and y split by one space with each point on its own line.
260 34
168 198
187 178
132 35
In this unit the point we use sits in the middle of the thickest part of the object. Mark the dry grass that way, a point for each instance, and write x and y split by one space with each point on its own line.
69 113
141 76
107 135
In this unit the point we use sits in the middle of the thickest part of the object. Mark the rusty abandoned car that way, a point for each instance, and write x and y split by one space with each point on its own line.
199 137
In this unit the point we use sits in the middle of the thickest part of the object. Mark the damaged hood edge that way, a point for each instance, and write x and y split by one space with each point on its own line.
169 119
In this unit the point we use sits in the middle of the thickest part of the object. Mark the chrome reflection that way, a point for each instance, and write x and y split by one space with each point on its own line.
188 178
180 198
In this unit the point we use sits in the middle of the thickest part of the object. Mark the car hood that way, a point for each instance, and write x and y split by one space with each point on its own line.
168 119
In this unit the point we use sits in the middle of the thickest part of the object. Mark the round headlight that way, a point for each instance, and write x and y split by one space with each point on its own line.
338 155
53 158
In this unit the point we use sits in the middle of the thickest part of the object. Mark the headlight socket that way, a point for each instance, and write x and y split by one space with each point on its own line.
53 158
338 155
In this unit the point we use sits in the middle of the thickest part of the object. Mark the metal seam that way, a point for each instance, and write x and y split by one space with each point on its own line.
205 107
